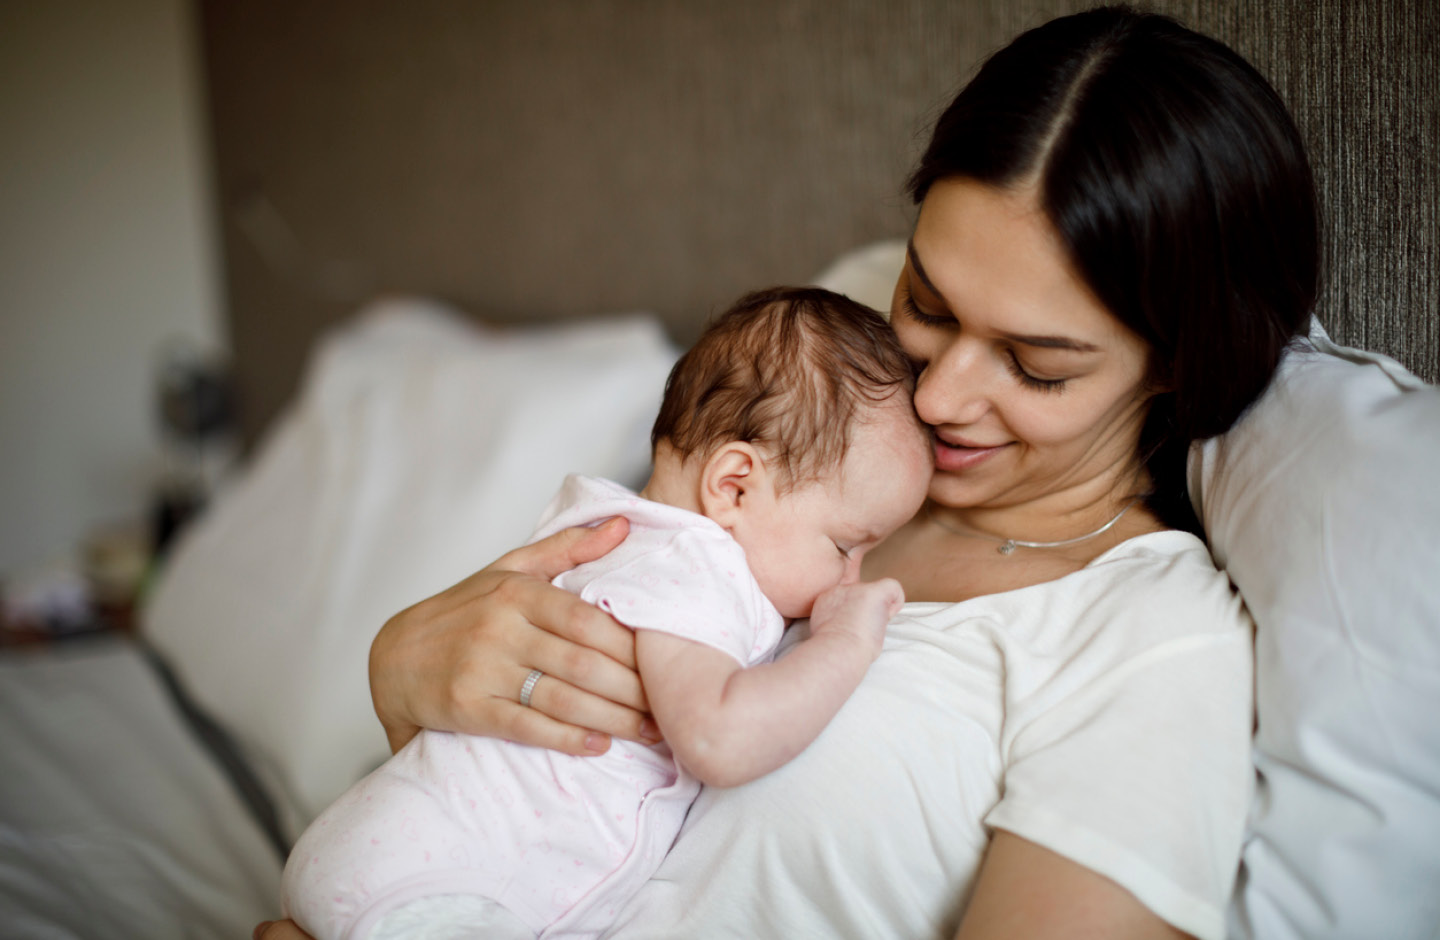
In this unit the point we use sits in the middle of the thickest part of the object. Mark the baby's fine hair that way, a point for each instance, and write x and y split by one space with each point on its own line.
785 369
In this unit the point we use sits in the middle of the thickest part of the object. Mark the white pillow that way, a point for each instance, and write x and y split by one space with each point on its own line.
420 449
867 274
1322 504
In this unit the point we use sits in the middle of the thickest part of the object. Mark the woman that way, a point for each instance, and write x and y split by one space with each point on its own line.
1117 237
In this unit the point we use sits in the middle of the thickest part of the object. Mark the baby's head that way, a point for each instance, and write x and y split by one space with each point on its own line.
790 424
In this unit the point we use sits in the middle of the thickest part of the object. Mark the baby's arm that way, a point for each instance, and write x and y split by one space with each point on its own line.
727 724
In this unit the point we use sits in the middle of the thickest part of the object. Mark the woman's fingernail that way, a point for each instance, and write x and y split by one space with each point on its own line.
650 731
597 743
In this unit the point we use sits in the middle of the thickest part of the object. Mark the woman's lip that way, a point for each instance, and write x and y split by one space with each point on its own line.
951 440
951 457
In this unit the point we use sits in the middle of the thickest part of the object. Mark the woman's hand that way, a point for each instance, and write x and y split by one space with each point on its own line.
457 661
279 930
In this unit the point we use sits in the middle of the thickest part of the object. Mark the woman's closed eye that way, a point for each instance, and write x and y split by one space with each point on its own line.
913 311
1012 362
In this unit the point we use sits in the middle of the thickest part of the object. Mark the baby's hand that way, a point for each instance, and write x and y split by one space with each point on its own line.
861 610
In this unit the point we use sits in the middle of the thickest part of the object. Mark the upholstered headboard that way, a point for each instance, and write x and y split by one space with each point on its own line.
567 157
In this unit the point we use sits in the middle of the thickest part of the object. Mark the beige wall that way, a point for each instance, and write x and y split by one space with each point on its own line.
106 253
551 159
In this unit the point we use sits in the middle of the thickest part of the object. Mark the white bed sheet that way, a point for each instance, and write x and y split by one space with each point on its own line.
114 819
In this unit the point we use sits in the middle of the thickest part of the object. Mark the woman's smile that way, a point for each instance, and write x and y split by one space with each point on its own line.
955 455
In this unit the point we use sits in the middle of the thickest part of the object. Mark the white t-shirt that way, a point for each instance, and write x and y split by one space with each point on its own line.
1105 715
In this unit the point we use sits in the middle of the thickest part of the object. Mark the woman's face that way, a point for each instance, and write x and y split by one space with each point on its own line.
1031 386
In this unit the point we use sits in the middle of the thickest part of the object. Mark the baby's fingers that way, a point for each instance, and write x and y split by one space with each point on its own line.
879 598
890 594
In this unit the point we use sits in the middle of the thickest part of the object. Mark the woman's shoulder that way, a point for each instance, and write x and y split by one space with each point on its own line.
1166 581
1157 565
1162 550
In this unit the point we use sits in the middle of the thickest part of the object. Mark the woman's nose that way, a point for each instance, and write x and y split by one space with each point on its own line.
954 387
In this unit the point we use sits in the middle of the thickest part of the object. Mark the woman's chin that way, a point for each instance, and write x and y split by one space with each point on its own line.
952 491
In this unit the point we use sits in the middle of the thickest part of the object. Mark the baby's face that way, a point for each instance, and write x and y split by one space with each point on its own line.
813 537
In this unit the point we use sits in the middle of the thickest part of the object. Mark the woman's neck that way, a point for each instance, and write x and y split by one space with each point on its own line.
1068 511
1045 522
954 553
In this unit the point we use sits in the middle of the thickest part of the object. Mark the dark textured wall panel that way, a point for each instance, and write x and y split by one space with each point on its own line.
556 158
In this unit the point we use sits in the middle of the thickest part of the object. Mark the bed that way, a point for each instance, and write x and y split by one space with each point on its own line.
152 787
141 797
408 417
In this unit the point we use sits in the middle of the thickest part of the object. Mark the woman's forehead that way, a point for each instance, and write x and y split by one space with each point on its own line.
992 256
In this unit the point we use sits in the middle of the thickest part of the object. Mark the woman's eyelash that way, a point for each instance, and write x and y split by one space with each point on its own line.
1030 381
1012 362
919 316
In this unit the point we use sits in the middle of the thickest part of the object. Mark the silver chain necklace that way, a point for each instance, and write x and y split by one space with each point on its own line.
1009 545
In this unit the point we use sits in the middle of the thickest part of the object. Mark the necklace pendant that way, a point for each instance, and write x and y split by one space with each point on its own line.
1007 547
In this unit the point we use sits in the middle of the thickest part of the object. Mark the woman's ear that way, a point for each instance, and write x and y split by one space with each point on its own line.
733 475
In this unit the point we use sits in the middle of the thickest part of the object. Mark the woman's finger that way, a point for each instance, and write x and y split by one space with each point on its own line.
456 661
565 549
279 930
527 724
565 615
559 700
587 669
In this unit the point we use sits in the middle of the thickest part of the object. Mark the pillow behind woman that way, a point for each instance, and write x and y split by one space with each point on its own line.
1322 506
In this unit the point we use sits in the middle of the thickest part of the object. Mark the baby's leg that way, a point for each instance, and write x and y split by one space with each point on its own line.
391 839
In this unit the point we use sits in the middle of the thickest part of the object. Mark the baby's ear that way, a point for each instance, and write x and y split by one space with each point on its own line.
733 474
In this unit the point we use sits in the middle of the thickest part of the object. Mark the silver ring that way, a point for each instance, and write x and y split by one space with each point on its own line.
529 687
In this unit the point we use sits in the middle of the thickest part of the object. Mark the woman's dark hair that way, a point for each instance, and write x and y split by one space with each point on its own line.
1178 181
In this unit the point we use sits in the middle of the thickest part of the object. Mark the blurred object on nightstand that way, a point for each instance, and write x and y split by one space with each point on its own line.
197 422
44 601
93 591
115 561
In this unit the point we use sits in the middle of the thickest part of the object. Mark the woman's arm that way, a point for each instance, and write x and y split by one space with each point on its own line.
1026 890
456 661
727 724
1023 890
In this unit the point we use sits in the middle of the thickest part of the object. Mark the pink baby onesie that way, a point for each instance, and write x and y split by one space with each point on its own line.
558 840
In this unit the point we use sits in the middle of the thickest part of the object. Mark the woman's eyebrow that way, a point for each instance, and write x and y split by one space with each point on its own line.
918 267
1042 342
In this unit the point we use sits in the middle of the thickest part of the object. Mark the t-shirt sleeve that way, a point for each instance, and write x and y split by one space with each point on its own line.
1140 770
696 586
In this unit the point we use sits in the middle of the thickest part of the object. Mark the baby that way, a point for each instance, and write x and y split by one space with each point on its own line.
786 447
